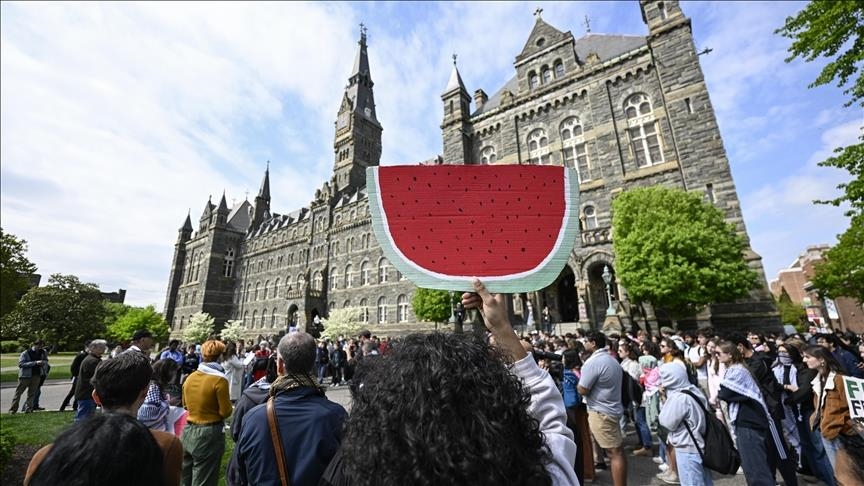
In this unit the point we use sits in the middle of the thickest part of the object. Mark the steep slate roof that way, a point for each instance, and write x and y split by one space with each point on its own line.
238 218
606 46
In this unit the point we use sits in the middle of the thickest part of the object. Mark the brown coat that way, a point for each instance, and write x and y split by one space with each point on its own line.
832 406
172 457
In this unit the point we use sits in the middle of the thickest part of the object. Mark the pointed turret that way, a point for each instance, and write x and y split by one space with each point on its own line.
186 229
208 209
223 205
357 144
262 201
360 82
456 126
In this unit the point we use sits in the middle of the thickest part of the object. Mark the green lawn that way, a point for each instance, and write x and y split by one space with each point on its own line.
41 428
59 366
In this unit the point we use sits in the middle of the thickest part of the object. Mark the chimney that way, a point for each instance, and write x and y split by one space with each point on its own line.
480 98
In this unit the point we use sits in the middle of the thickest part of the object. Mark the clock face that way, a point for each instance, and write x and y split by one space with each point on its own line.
342 121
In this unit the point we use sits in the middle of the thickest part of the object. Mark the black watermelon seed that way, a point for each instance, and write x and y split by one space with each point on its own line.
523 249
415 179
460 210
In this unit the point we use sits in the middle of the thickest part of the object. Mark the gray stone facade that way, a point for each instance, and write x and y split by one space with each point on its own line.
271 270
624 111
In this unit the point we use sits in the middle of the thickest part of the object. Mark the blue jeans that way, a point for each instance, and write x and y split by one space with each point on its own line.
322 371
814 451
642 427
690 470
831 448
85 409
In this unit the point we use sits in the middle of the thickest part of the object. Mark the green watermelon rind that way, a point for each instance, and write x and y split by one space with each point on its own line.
530 280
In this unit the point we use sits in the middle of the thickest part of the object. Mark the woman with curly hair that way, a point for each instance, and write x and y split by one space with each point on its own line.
450 409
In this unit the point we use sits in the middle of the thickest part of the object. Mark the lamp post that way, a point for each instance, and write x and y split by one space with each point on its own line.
607 278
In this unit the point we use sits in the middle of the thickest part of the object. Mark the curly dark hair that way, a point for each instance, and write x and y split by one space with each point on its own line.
442 409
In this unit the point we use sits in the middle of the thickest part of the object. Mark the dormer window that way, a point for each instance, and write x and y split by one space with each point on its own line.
559 69
533 80
547 75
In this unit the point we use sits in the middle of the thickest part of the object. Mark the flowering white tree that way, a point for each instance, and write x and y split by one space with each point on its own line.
347 321
199 329
233 331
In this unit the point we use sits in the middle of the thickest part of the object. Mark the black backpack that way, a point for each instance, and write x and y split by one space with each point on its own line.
720 453
631 390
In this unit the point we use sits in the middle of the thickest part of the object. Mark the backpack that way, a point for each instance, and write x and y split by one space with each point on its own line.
260 363
631 390
720 453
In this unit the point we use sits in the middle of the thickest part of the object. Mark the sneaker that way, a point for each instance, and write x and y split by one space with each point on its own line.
663 467
668 477
600 466
739 471
657 460
644 452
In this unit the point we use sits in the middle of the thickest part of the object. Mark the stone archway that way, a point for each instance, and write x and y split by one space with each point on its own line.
291 316
562 298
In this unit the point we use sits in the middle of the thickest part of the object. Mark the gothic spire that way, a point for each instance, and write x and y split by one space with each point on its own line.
223 205
264 192
455 79
359 89
187 225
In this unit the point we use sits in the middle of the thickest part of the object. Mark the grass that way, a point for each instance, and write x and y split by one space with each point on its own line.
59 366
38 429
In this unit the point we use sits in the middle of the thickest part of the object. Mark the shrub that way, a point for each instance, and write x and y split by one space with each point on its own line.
10 347
7 443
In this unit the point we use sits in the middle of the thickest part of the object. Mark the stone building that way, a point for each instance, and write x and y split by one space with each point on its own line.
623 111
270 270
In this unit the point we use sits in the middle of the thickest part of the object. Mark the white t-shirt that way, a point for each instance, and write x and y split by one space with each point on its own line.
694 354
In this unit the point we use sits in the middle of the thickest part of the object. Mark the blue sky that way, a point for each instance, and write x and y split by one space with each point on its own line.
119 117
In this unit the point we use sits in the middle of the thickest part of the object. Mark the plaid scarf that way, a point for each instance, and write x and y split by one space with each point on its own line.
292 381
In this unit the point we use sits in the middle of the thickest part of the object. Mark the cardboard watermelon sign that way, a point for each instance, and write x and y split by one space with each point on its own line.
513 226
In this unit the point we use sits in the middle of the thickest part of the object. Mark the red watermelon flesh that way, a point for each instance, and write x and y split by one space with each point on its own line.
482 221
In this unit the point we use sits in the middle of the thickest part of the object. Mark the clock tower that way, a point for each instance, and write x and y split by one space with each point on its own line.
357 144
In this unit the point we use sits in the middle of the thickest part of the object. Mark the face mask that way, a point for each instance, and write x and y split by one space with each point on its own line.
785 360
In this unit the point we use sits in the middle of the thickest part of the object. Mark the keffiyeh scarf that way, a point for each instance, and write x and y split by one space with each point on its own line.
292 381
739 379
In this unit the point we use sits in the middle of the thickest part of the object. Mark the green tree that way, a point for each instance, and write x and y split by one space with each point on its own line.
432 305
199 329
136 318
347 321
790 312
233 331
14 270
676 251
66 312
841 272
113 312
835 30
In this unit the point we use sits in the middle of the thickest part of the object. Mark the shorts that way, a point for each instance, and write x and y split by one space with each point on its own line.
606 430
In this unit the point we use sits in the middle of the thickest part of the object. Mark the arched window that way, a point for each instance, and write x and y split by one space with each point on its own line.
364 308
590 215
382 310
317 280
246 294
487 155
348 269
257 284
399 275
197 267
331 306
575 148
402 308
346 304
276 289
334 279
533 80
383 266
547 75
559 69
254 319
646 144
228 263
273 318
266 289
538 147
364 273
301 281
182 322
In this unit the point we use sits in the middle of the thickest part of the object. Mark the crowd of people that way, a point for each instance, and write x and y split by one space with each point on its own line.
445 408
